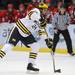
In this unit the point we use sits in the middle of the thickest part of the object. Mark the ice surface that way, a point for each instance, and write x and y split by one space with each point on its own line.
15 63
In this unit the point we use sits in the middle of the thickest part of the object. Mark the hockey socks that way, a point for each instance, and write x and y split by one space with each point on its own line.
33 55
2 54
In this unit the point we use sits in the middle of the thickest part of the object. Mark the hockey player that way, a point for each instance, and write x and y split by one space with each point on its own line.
43 22
27 31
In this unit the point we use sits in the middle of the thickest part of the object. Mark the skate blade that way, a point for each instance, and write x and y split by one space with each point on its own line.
32 72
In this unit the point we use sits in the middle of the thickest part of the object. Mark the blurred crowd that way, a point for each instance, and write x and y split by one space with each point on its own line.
11 14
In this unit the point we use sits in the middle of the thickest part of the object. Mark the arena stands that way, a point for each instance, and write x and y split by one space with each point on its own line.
11 12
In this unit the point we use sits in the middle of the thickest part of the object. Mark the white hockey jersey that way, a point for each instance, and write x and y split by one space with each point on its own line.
28 26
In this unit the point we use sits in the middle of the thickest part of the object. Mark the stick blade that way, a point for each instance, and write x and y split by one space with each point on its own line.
58 71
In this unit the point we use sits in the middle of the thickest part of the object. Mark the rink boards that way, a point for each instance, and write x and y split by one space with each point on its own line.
5 29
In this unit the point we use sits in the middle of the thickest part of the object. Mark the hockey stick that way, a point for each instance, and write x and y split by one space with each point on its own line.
55 70
53 59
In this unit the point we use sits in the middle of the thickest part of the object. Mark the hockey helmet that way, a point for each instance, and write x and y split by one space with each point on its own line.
43 6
